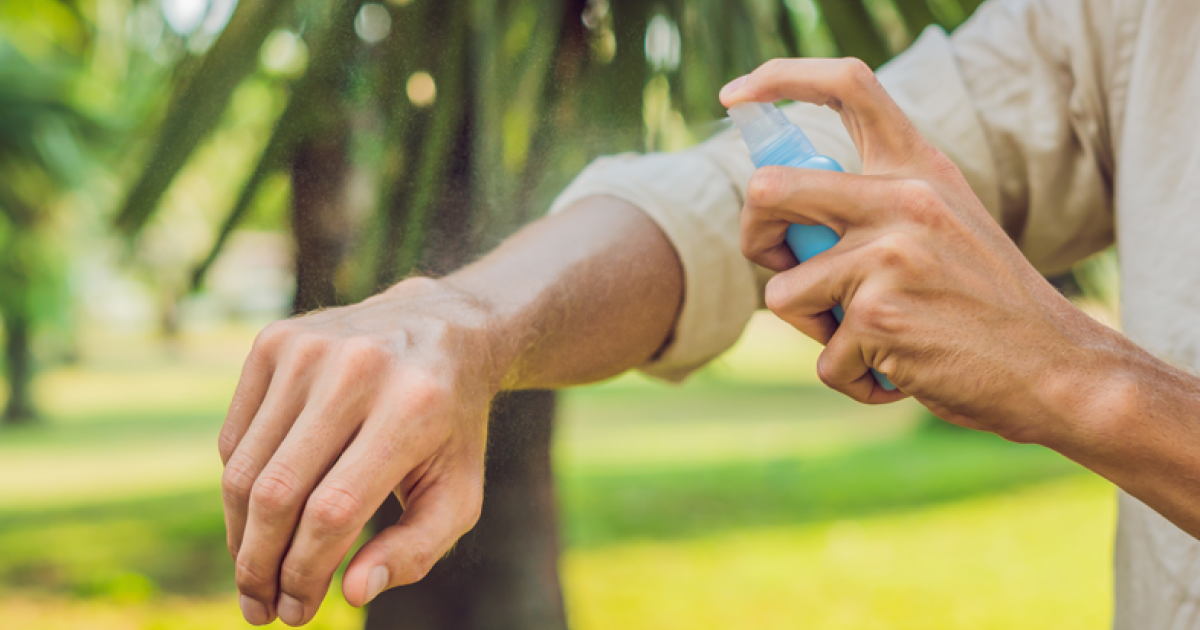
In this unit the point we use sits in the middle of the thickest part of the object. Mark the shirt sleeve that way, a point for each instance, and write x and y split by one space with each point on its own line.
1038 75
1012 98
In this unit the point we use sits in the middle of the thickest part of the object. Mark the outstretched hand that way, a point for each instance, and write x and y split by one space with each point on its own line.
336 410
936 295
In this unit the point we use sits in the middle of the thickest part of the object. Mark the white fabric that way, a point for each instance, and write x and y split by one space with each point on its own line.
1075 122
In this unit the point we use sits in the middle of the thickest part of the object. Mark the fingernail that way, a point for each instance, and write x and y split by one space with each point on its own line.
291 611
254 611
377 580
733 86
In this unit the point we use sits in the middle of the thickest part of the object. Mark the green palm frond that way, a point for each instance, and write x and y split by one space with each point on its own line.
854 30
332 47
197 106
538 103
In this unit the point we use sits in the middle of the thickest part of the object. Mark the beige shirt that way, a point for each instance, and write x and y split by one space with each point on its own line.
1076 122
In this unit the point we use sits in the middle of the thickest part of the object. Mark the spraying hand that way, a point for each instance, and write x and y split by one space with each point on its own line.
936 296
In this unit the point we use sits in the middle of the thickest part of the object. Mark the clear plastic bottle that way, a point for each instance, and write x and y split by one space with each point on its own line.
774 141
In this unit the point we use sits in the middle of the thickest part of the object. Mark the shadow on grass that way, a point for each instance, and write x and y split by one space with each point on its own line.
176 544
123 549
93 429
924 468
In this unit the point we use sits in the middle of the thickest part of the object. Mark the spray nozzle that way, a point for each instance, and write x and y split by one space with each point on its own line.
763 125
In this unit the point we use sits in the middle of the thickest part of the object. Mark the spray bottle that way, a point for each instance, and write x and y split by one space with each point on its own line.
774 141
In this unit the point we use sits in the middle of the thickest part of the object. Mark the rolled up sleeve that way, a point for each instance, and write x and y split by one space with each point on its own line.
1035 175
695 203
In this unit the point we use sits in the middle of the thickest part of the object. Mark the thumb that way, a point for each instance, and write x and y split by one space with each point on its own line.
405 552
884 136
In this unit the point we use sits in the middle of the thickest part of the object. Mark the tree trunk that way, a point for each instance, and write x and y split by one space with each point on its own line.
19 366
320 167
503 575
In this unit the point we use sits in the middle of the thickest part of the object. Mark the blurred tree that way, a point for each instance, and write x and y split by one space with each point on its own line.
467 116
202 92
39 156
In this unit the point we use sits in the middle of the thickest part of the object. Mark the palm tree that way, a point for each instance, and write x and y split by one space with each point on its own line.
38 157
484 108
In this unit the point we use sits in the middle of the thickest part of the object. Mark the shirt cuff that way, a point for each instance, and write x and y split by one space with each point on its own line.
694 203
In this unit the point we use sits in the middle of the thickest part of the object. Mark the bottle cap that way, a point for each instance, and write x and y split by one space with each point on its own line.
762 123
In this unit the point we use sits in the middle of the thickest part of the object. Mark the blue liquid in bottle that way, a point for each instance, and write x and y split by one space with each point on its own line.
774 141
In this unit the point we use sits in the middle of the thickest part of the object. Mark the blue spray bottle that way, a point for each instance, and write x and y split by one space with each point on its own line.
774 141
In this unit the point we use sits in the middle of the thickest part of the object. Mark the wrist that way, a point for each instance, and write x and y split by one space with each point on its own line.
1093 397
474 330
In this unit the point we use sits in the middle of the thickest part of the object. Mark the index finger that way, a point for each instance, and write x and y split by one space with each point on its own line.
779 196
387 449
884 136
251 391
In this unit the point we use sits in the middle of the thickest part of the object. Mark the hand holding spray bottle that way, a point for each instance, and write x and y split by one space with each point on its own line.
774 141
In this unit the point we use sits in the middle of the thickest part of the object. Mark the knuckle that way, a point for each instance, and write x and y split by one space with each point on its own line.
276 490
271 336
226 443
299 581
877 316
421 560
309 347
767 187
895 251
828 373
919 201
424 392
890 364
941 164
774 66
827 370
857 72
362 354
422 285
335 508
252 579
777 295
237 481
438 330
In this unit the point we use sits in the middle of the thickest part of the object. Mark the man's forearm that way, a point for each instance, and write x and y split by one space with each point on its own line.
391 395
1136 420
578 296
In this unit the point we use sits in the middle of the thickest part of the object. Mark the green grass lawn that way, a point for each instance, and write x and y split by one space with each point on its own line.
748 498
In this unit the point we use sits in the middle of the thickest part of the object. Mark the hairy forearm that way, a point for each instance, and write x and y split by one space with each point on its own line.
1135 420
578 296
391 396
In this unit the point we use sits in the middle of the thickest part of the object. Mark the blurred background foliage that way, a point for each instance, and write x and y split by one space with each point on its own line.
385 138
174 173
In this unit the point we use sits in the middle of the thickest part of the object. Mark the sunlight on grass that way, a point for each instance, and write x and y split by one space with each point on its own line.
1033 559
706 421
749 497
46 613
770 351
74 475
114 434
65 394
760 400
